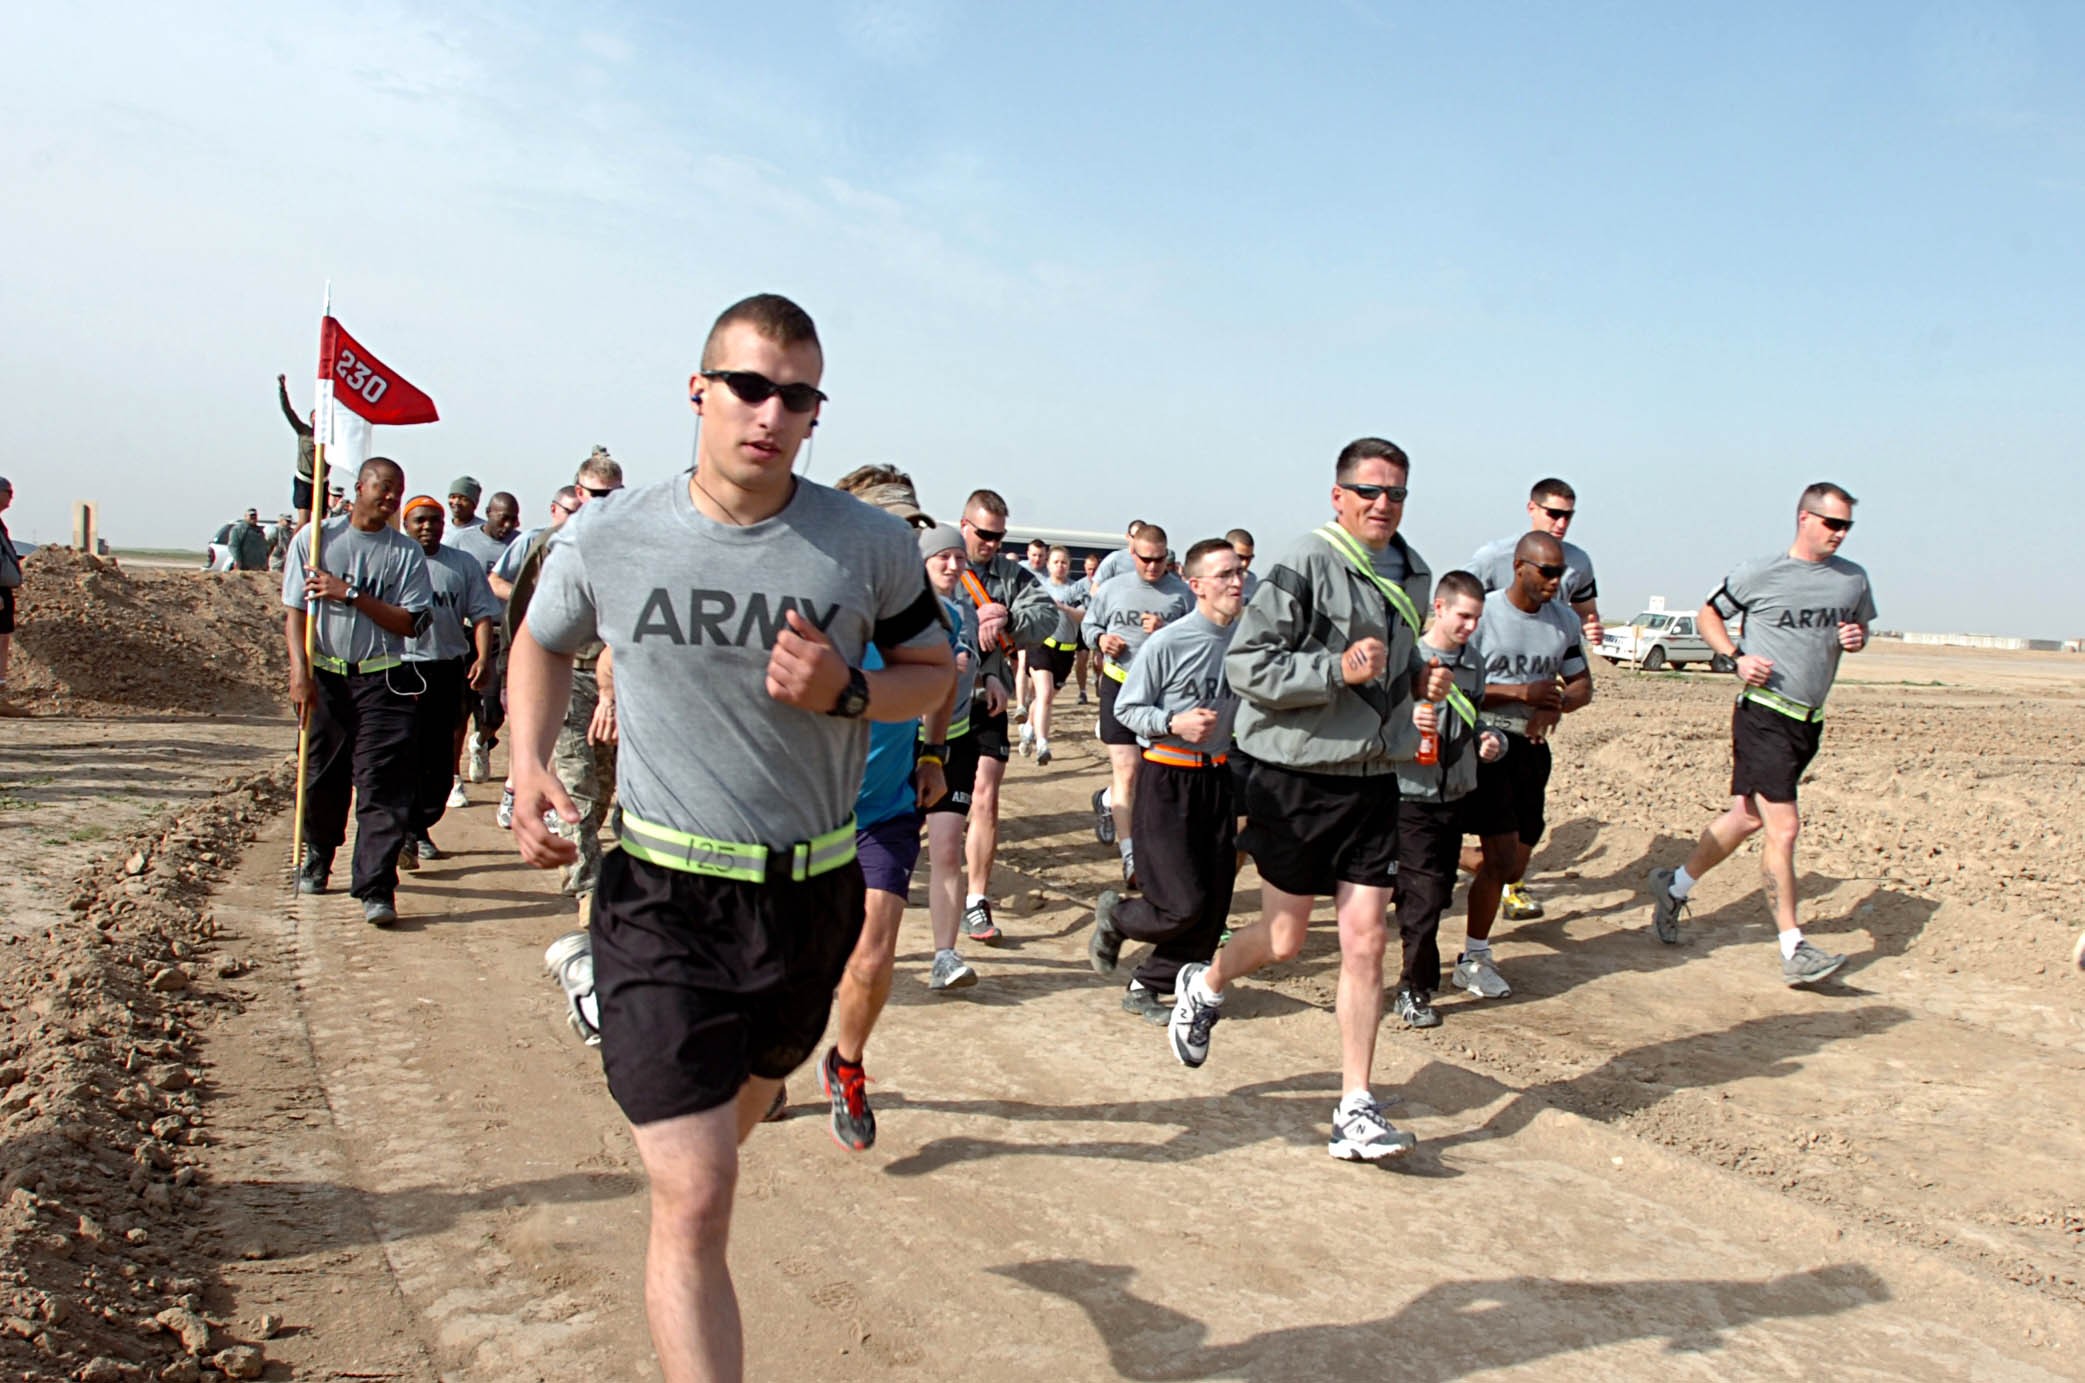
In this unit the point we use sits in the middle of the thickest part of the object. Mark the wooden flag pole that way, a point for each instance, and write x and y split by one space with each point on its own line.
321 426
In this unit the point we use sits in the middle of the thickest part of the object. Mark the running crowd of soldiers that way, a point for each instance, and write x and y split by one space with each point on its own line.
768 690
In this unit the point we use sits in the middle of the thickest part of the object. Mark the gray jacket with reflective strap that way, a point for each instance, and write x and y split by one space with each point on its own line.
1295 707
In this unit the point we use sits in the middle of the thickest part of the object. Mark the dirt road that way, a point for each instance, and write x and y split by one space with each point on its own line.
1649 1160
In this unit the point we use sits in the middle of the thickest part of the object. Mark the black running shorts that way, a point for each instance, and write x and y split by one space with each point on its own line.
1311 832
704 982
960 772
990 733
1112 731
1057 661
6 609
1769 751
1512 793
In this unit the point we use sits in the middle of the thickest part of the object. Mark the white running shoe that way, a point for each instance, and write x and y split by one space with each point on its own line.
1360 1133
1042 752
457 796
1027 739
950 972
1480 975
477 762
505 815
571 959
1193 1018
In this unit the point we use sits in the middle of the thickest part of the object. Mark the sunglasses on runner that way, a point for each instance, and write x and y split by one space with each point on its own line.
1558 514
754 389
1836 525
1549 571
986 535
1371 493
605 493
1142 560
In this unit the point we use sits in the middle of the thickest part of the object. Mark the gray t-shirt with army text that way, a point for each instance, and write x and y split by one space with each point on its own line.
385 564
1180 668
461 599
1119 607
1793 610
1519 648
1492 564
691 609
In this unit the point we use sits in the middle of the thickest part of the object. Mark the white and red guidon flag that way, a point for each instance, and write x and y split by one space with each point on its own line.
356 392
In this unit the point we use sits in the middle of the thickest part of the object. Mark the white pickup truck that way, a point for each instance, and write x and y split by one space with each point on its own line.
1660 639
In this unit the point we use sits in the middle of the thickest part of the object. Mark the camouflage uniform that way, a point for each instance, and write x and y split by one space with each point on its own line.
587 772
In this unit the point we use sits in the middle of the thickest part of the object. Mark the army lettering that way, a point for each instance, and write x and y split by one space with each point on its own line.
1512 669
716 617
1827 618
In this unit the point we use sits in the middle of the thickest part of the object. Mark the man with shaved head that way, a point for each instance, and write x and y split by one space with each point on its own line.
1534 673
369 594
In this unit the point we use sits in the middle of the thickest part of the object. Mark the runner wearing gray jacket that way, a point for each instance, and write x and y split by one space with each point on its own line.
1325 667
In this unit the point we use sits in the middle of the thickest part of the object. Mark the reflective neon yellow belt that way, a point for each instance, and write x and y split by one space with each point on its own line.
1060 645
326 662
727 859
1784 705
1115 672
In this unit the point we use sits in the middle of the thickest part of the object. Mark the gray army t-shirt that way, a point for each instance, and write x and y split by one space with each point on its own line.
1181 669
1793 610
385 564
1065 593
482 546
1519 648
1118 607
1492 564
691 609
461 599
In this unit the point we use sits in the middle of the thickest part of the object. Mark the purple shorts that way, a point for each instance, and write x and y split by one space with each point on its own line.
888 851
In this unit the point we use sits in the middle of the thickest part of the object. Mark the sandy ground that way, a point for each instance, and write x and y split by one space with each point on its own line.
1649 1160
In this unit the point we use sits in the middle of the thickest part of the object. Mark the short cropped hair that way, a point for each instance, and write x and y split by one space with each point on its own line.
1193 565
1136 526
1060 548
772 315
991 501
601 466
1368 449
1824 489
1458 584
377 462
1151 532
1237 536
1549 487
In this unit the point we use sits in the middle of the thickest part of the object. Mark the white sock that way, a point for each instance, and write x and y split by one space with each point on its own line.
1474 947
1107 798
971 900
1682 882
1199 985
948 951
1125 846
1356 1099
1791 939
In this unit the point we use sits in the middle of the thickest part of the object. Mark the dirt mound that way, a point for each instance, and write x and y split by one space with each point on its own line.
95 639
100 1112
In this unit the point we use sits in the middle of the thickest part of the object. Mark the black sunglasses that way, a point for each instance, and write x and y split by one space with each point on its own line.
755 389
1558 513
604 494
1371 493
1549 572
988 535
1836 525
1147 561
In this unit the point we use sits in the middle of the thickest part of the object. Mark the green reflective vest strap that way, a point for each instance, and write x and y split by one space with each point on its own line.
1349 547
1461 702
326 662
727 859
1783 705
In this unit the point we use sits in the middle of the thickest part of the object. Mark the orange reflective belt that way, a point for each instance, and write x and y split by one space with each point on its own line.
980 597
1184 758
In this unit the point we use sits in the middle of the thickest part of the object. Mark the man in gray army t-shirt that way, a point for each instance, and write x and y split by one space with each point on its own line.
736 600
371 593
1802 609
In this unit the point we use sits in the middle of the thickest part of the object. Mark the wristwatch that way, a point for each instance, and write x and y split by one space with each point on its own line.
350 595
933 754
855 699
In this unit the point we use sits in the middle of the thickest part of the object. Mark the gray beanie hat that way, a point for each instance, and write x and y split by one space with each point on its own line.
939 539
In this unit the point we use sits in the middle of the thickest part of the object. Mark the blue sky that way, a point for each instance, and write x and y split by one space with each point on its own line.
1156 260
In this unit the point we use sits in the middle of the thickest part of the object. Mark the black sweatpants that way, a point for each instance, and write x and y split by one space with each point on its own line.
436 714
1185 824
362 742
1429 834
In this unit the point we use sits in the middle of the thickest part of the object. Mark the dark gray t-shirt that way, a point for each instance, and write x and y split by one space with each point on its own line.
461 599
1180 668
1518 648
691 609
385 564
485 549
1793 610
1493 565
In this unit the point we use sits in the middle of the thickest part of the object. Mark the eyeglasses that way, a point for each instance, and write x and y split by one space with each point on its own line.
985 535
605 493
1549 572
1560 515
1223 578
1371 493
755 389
1836 525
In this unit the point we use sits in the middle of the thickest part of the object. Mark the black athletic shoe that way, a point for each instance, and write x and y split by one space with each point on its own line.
978 924
1416 1008
1104 947
316 870
425 848
854 1123
1155 1009
379 911
408 856
1103 818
